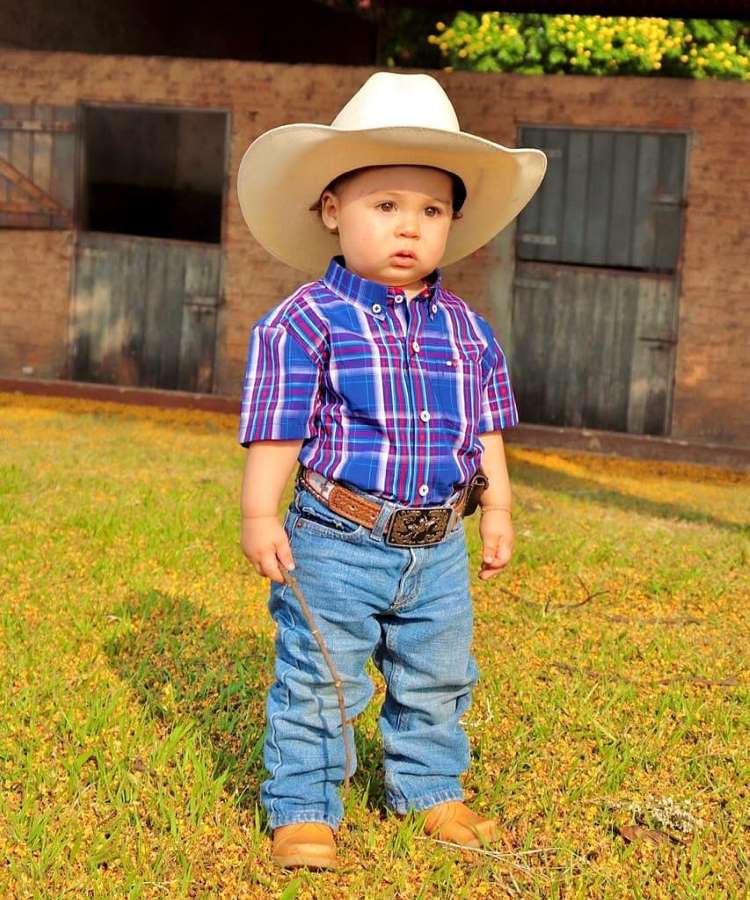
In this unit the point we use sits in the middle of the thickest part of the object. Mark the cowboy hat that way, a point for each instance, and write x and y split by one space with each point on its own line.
393 119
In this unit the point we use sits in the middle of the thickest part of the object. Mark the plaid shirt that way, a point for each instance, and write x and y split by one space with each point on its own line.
386 395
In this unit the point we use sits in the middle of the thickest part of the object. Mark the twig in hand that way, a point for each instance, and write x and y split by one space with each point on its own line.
337 683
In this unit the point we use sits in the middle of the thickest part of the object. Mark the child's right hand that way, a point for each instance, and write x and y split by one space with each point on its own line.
265 544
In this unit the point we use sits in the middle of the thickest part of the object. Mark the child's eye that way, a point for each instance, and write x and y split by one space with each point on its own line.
436 209
388 203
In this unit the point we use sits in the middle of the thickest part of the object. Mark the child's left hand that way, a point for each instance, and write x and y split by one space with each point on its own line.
497 535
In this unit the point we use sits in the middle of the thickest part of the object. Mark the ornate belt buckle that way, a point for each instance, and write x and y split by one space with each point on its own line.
418 527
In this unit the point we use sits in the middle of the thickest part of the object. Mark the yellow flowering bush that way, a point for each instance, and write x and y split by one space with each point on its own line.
595 45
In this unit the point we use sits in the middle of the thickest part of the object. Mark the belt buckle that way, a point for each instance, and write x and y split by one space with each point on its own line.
418 527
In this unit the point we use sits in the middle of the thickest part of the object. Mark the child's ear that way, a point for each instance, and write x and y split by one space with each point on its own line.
329 211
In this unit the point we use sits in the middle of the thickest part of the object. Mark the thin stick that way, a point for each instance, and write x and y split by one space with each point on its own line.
503 857
337 683
677 679
498 854
566 607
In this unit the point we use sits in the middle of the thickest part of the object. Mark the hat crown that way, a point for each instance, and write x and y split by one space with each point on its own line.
392 99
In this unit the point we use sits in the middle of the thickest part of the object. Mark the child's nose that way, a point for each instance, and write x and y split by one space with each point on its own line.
409 225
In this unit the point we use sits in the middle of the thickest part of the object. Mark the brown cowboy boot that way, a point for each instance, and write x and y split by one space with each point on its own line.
308 844
455 822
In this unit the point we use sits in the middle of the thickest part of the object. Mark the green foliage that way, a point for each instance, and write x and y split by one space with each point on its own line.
532 43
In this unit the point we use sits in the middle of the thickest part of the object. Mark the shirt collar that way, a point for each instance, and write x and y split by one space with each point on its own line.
374 296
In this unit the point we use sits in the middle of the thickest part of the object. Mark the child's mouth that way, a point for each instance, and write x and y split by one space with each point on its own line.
404 258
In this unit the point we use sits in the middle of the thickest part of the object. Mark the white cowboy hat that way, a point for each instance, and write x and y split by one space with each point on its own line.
392 119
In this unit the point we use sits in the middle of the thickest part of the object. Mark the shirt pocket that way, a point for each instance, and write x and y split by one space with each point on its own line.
455 378
354 362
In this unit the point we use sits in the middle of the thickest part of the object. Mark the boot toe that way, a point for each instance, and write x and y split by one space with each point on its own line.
455 822
308 844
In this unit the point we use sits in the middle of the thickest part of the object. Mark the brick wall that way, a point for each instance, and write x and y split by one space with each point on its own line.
712 380
34 301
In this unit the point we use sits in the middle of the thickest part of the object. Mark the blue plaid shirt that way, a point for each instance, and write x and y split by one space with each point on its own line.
388 395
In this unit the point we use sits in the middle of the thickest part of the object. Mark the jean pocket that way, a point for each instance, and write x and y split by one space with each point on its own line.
288 522
458 529
315 516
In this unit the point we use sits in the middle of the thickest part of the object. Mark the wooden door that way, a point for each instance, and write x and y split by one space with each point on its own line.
37 155
144 311
593 347
595 297
608 198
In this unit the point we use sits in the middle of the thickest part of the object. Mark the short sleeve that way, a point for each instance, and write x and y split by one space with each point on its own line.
280 390
498 409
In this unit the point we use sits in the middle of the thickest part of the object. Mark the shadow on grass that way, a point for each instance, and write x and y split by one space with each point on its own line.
217 680
535 476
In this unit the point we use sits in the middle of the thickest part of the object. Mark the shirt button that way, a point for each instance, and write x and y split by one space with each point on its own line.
415 346
424 416
433 308
424 489
449 362
399 299
376 307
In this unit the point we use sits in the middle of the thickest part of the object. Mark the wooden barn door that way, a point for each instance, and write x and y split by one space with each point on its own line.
144 311
594 348
147 278
595 296
37 153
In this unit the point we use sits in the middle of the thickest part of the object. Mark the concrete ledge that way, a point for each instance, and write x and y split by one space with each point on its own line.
84 390
638 446
586 440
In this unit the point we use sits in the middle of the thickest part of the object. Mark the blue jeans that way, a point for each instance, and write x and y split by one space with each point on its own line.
407 607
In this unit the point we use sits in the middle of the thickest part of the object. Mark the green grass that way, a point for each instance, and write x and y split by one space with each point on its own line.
136 652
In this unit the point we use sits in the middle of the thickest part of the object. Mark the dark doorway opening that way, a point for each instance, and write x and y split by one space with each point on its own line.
153 172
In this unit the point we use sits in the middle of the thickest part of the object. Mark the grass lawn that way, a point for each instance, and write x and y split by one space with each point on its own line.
136 651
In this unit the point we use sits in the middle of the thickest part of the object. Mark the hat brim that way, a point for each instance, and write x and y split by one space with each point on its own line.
283 172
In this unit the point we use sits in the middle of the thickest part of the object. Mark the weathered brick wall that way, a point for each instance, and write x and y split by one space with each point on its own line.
34 301
712 380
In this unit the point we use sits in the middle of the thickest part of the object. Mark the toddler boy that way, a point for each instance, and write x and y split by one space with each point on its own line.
376 381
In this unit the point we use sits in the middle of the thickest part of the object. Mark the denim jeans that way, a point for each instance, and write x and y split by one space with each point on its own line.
409 608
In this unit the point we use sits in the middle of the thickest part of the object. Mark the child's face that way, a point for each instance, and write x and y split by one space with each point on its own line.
385 211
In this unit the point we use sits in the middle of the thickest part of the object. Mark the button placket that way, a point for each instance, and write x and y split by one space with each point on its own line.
415 365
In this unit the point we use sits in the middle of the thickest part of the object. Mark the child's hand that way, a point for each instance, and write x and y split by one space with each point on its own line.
265 544
496 531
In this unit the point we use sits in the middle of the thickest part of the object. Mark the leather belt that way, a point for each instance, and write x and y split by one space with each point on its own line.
408 527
